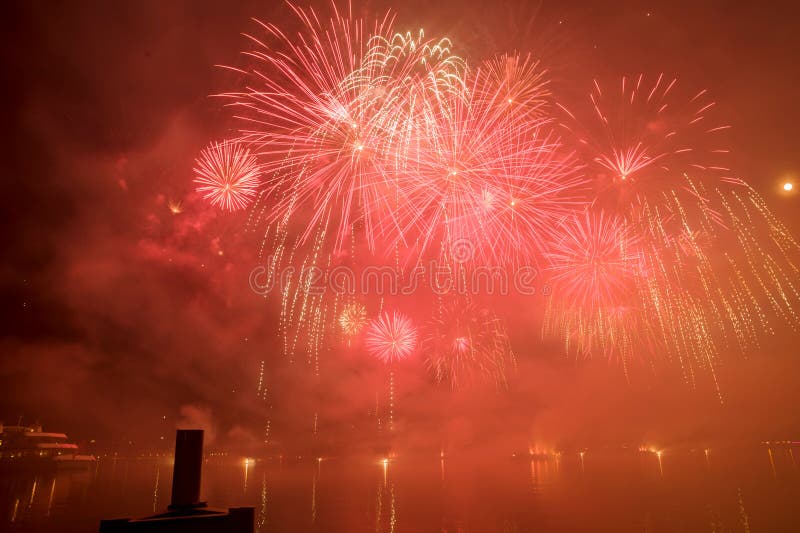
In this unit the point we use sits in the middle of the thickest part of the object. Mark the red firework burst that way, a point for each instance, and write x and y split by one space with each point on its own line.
520 82
353 318
464 345
227 175
594 263
323 108
391 337
486 171
642 138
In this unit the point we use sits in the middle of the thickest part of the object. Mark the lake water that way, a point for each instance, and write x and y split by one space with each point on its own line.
755 489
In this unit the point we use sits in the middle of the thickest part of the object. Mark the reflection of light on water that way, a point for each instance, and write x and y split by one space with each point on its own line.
385 463
155 489
378 510
743 513
314 498
659 453
772 463
706 452
623 475
262 510
247 462
50 499
544 468
33 491
385 511
393 517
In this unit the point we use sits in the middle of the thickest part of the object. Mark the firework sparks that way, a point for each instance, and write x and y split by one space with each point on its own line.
325 109
594 262
352 319
376 144
175 207
463 345
520 83
227 175
707 276
594 268
641 136
391 337
484 172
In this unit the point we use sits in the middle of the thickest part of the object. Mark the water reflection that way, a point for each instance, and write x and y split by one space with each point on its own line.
578 491
314 497
36 497
772 463
386 515
50 499
743 513
261 517
155 488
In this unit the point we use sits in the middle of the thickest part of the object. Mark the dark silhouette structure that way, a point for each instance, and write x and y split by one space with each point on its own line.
187 513
187 470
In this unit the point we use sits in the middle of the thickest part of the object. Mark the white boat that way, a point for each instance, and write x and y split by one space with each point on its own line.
29 446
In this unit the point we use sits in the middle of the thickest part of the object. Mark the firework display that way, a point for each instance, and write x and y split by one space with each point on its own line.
361 147
391 337
353 319
356 265
487 170
464 344
227 175
679 274
593 264
639 137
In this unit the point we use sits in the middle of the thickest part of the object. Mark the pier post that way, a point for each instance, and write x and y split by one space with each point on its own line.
187 470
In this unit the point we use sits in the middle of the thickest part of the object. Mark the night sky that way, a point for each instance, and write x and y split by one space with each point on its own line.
118 313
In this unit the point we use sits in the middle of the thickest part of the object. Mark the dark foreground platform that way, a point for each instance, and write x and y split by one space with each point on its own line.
187 513
235 519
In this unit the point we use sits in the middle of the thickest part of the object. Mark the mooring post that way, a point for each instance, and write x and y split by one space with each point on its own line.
186 513
187 470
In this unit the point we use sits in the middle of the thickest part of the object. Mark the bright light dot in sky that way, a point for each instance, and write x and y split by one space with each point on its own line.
788 186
